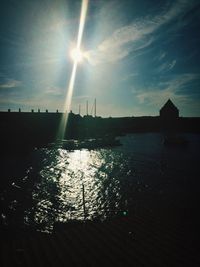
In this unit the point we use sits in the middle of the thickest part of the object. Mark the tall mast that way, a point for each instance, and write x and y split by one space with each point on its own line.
87 108
79 109
95 108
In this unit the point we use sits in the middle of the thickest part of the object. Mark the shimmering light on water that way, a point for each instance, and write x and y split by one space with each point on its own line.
46 186
59 194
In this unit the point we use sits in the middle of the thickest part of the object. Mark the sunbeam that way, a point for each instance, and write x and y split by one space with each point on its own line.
63 123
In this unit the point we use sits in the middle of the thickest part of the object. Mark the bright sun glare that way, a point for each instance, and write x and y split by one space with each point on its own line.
76 55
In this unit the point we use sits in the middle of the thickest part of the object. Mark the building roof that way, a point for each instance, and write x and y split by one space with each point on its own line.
169 105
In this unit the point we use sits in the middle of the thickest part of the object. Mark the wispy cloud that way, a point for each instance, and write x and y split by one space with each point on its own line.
166 66
172 88
53 91
129 76
11 83
161 56
135 36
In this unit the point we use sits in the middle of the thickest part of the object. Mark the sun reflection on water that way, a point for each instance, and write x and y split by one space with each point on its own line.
59 193
47 186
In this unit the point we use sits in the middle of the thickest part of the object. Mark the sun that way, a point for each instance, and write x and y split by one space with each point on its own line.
76 55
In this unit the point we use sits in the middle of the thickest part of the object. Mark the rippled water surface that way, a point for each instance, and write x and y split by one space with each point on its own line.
55 185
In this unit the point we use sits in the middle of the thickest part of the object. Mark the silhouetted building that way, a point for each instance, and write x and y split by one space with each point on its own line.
169 111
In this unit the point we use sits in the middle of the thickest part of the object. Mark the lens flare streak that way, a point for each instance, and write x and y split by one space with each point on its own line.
63 123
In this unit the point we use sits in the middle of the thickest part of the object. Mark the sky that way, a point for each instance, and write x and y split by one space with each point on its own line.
137 55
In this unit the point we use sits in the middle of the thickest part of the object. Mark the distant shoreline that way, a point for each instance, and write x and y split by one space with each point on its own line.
29 129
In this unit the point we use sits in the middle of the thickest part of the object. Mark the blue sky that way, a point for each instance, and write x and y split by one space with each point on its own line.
137 54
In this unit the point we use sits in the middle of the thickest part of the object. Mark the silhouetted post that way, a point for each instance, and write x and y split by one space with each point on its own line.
9 110
79 111
56 110
46 110
19 109
84 210
38 110
32 110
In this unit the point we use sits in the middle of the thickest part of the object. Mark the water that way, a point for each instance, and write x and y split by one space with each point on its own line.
47 186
